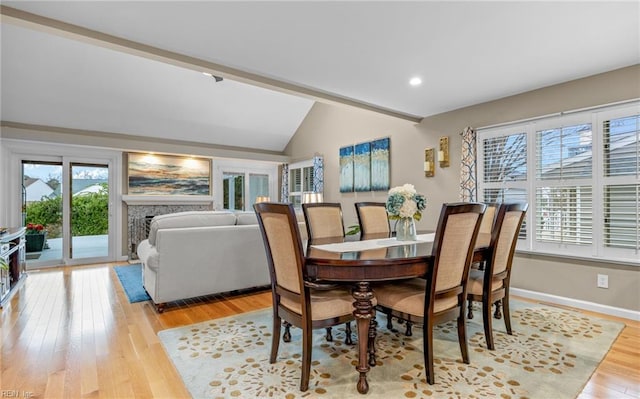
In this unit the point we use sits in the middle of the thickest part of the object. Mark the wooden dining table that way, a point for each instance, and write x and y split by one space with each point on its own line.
362 267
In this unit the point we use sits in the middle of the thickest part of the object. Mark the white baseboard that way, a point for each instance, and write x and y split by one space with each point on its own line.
576 303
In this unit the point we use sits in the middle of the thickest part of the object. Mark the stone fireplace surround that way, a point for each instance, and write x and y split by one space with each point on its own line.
140 208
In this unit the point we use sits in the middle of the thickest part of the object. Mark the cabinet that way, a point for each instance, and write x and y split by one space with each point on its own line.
12 250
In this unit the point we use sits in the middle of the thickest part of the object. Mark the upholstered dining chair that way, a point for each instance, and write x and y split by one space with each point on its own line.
295 300
441 296
484 234
492 285
372 218
323 219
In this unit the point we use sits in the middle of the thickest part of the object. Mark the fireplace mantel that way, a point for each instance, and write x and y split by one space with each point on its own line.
167 200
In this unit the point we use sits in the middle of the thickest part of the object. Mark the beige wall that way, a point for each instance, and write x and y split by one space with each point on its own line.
329 127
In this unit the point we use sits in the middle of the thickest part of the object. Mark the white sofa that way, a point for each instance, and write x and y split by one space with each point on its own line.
190 254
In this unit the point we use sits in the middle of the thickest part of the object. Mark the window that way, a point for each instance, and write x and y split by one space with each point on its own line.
238 184
300 181
580 174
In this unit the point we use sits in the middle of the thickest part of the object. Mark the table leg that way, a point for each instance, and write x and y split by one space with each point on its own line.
363 313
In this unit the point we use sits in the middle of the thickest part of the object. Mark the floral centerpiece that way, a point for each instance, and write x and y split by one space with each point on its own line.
35 237
405 205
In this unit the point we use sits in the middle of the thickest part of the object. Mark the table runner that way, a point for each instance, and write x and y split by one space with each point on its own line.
353 246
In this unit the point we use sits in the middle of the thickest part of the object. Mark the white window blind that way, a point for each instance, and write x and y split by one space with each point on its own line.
564 209
621 164
580 174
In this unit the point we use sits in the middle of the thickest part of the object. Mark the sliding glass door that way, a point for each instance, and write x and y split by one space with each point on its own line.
66 208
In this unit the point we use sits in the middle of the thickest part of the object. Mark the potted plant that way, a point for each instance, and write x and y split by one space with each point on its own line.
35 237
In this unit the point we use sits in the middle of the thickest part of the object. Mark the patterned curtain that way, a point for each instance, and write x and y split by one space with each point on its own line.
468 173
318 174
284 183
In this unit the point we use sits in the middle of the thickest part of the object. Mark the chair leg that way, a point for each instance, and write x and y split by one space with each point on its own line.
287 332
427 338
389 321
408 332
497 314
462 338
275 339
507 314
347 327
306 358
486 320
328 337
470 310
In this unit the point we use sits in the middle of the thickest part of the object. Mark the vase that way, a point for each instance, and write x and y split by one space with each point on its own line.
406 229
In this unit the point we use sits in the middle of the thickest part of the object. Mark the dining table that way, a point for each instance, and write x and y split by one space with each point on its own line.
363 261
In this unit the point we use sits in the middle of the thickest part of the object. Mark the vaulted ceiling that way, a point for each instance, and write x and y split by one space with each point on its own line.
135 67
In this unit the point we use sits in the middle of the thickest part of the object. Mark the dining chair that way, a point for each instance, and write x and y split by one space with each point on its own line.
296 300
323 219
372 218
441 296
491 286
484 234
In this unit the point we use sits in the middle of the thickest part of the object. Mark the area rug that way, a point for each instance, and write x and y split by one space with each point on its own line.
552 354
130 277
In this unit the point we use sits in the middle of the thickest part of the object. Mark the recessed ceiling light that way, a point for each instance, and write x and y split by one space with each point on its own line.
416 81
207 74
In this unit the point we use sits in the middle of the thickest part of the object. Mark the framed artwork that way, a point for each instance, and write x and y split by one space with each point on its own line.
380 164
362 167
151 174
346 169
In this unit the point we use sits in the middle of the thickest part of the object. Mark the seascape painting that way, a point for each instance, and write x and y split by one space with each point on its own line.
380 164
346 169
169 175
362 167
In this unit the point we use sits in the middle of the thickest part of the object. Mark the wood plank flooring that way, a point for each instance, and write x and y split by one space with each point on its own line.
70 332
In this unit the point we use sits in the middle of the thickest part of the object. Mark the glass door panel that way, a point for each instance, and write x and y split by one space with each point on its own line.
233 191
42 211
89 210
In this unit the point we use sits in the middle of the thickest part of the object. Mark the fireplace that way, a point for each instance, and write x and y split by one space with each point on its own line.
142 209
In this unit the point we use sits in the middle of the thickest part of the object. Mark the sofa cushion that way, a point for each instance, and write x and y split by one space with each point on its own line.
189 219
244 218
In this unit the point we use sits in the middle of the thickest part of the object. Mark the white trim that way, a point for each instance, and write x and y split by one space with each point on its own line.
167 199
577 303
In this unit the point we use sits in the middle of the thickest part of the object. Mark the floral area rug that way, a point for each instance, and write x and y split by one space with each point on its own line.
551 354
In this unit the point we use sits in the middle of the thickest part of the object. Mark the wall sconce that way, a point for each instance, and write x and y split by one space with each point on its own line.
429 163
443 152
310 198
262 199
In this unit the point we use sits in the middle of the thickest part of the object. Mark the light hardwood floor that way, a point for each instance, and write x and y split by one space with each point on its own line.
70 332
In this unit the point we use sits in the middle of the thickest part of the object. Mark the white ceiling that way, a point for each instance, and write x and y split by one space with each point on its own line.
465 52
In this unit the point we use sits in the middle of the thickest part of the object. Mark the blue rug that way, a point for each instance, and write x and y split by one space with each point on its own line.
131 279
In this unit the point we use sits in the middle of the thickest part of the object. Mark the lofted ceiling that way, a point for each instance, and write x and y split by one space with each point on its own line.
135 67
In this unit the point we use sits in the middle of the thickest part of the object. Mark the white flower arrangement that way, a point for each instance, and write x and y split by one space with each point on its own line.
405 202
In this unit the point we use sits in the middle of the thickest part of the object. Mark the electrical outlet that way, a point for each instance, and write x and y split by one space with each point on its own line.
603 281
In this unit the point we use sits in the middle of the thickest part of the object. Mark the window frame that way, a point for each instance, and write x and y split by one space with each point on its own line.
596 117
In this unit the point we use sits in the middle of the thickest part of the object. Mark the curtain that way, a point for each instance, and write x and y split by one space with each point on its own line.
284 190
318 174
468 172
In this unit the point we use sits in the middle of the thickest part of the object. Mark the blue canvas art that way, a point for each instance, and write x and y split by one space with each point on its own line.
362 167
380 164
346 169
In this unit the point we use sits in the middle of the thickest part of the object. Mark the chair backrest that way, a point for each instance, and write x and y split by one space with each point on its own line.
453 248
373 218
323 219
283 244
505 236
487 224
